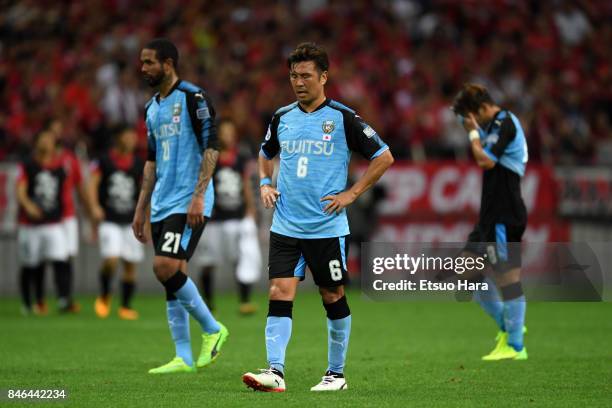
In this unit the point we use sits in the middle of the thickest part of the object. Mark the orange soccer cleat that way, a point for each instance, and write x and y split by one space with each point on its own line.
126 313
102 307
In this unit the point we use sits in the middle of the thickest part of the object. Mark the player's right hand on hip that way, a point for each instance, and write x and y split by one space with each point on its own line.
269 195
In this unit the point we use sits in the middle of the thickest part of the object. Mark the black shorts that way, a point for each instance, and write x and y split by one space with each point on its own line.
499 243
172 237
325 257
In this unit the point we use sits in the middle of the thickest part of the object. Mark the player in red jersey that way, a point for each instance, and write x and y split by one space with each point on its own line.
113 187
74 182
40 186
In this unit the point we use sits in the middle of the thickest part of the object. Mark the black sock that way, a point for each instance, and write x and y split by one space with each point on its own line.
105 282
511 291
63 279
127 291
69 277
169 295
277 372
39 283
337 375
25 280
245 292
207 285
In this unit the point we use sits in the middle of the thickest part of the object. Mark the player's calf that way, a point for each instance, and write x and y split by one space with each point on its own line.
338 333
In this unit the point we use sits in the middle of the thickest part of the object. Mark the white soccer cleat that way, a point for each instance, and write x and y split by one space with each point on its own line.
331 382
267 381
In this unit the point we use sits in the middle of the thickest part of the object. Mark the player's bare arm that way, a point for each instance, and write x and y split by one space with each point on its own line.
85 199
375 170
247 192
483 161
144 199
28 205
195 214
268 193
97 213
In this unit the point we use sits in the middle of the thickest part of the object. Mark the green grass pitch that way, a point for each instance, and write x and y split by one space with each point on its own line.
400 354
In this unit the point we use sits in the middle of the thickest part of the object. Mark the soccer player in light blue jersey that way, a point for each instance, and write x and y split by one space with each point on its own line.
499 147
182 154
314 138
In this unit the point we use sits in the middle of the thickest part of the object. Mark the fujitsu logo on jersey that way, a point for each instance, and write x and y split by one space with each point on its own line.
167 130
317 147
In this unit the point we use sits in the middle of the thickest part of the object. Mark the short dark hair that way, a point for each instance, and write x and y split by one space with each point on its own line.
309 51
164 49
471 98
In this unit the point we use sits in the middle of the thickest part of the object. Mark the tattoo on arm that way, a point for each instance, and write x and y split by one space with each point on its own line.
148 183
209 162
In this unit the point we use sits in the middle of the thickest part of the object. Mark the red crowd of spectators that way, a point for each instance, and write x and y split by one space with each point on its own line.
398 62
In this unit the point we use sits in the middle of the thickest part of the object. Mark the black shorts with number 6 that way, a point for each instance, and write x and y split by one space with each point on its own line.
172 237
325 257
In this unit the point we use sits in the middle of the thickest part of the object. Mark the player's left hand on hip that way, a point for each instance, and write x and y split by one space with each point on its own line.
195 216
337 202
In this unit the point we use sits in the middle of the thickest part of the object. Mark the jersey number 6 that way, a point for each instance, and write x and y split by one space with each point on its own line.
335 270
302 167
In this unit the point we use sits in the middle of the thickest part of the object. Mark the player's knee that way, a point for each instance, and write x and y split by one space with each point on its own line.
279 291
164 268
109 265
508 277
332 294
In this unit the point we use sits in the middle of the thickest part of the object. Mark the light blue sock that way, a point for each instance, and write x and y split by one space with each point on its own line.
178 322
490 301
278 333
514 319
191 300
338 333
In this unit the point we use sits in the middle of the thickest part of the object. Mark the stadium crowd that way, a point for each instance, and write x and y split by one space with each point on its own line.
398 62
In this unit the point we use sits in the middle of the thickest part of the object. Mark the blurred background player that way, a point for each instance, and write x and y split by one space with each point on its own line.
113 188
499 147
75 182
314 137
177 186
41 235
231 235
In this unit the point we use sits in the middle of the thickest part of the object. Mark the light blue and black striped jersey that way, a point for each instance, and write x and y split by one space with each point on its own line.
179 128
504 142
315 150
